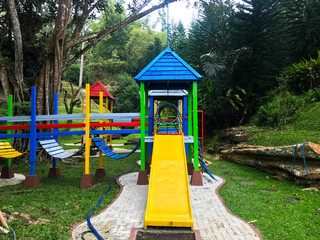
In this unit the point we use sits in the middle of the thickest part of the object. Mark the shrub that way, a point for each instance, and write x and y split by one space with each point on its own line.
280 111
301 77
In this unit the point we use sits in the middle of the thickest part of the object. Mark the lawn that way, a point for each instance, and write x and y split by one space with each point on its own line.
58 204
61 203
275 217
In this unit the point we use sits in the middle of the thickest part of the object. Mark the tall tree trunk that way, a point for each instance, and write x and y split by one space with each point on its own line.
19 85
4 77
81 72
49 79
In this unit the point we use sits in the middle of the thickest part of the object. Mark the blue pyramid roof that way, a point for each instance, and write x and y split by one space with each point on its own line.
170 68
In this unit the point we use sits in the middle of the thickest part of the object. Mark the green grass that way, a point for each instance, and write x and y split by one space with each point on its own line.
61 201
275 217
308 118
210 142
284 137
306 127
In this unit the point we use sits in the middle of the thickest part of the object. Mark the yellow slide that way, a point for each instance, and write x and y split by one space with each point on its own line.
169 202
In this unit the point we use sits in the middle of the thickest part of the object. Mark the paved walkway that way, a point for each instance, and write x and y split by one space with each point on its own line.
211 217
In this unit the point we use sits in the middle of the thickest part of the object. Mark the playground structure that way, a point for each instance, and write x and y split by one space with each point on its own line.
168 85
49 140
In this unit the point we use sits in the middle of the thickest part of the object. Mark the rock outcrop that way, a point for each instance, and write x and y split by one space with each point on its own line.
279 160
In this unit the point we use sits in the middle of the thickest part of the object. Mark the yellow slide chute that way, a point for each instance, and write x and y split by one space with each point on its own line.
169 202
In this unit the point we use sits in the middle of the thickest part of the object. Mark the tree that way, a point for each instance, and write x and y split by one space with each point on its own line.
152 51
177 36
137 46
18 51
65 37
22 43
258 26
127 94
300 23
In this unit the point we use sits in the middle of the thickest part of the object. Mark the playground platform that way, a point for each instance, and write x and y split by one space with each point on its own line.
122 217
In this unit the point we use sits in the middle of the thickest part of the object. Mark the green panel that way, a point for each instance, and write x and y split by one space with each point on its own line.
190 124
195 125
8 161
142 125
146 111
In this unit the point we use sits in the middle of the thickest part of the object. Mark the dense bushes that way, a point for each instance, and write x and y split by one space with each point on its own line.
301 77
299 86
279 111
285 108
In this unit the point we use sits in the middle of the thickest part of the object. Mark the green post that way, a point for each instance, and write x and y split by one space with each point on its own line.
146 111
142 125
190 124
195 125
8 161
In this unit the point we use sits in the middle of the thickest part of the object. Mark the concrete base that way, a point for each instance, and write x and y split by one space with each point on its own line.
143 178
31 181
54 173
100 173
190 168
86 181
7 172
196 178
165 233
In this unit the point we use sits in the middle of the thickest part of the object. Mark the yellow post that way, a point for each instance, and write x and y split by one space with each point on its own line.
111 110
87 131
100 128
106 121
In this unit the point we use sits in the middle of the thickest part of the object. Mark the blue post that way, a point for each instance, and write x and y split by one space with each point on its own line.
33 131
56 137
185 120
150 124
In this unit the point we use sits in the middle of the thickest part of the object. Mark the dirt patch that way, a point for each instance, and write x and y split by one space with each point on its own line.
26 218
248 183
268 190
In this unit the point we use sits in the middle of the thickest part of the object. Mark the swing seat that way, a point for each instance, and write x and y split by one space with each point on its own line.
101 145
7 151
55 150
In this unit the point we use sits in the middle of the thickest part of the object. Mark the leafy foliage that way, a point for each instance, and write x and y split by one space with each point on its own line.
301 77
127 94
280 110
72 74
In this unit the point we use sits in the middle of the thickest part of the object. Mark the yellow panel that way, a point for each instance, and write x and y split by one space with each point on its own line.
7 151
4 144
169 202
11 155
6 148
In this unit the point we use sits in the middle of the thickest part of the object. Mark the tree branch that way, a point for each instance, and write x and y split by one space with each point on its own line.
96 37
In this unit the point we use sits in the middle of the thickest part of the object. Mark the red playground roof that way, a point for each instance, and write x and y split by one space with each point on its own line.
96 88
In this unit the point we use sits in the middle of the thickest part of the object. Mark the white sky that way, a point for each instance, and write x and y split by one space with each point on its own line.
179 11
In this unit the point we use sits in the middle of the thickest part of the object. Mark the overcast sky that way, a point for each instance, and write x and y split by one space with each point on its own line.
179 11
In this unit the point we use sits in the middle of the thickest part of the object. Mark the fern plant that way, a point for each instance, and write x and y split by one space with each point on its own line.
301 77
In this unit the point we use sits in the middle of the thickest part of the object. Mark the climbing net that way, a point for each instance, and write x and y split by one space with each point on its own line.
168 124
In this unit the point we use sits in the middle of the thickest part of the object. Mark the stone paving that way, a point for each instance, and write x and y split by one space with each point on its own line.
18 178
211 217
